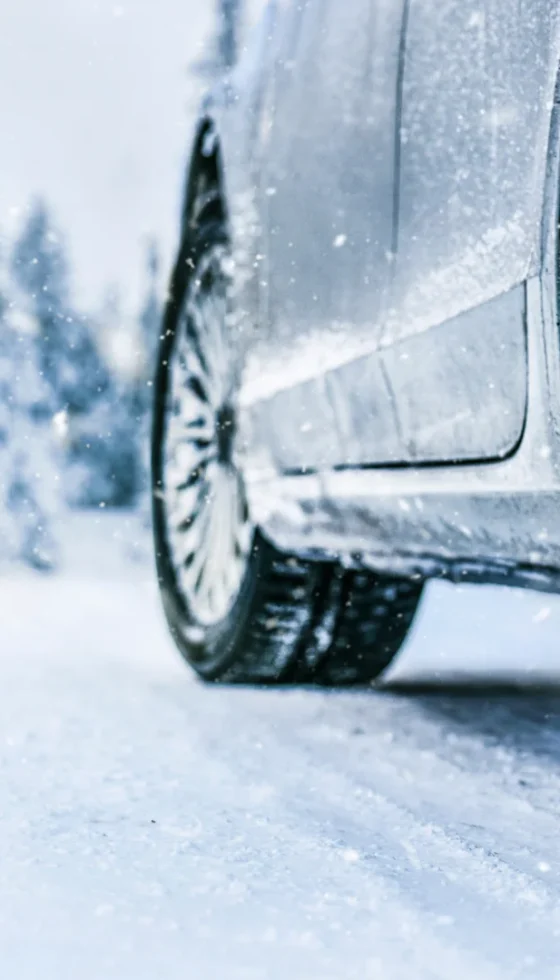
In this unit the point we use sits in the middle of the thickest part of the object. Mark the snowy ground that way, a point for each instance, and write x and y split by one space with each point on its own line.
153 828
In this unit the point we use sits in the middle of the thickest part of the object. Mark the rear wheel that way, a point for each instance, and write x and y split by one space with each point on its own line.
239 609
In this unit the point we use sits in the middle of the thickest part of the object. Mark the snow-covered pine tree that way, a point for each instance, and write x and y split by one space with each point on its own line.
229 26
150 314
69 357
105 442
223 49
70 360
149 330
29 455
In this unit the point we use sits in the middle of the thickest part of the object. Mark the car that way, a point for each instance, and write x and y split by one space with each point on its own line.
358 382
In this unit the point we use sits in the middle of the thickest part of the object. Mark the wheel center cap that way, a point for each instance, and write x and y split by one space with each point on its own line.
225 433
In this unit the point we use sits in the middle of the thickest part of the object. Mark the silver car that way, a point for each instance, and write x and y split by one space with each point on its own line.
359 376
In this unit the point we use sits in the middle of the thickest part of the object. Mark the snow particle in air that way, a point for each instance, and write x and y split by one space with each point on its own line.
60 424
542 614
445 920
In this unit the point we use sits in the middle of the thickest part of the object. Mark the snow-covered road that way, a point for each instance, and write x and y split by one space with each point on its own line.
154 828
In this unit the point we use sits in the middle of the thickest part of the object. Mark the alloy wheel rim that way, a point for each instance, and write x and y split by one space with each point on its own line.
209 531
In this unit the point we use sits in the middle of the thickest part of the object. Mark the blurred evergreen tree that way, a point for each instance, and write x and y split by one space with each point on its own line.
223 50
101 452
117 431
69 356
96 374
104 441
149 320
229 24
29 450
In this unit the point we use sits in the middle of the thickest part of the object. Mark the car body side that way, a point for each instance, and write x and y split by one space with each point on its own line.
337 431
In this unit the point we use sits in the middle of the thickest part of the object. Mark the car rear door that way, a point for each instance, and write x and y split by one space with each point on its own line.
477 87
328 186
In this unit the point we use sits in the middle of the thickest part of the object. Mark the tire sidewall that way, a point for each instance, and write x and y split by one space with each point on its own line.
209 649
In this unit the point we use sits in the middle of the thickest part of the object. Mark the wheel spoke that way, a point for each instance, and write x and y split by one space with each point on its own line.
186 464
208 525
202 327
199 553
232 553
189 515
215 314
195 542
194 327
196 438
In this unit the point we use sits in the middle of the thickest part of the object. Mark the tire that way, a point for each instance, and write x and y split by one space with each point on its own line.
285 619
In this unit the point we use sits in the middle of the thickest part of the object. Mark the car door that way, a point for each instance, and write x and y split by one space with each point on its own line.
477 88
327 182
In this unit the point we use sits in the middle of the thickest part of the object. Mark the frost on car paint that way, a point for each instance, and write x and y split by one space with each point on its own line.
389 175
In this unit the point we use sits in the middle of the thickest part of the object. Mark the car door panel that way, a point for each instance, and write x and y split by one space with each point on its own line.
298 428
399 399
328 421
363 403
331 154
449 406
477 88
328 189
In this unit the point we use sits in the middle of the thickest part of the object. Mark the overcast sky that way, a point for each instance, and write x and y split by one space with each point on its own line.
95 108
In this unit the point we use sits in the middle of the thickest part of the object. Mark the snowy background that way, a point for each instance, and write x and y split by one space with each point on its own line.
97 101
96 133
152 827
